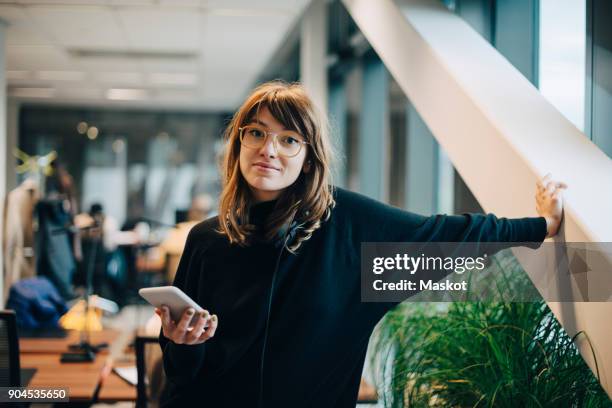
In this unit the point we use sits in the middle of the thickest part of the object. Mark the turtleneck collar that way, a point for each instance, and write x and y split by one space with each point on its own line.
259 212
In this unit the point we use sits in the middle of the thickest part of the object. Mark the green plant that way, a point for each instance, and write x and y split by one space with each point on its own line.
478 354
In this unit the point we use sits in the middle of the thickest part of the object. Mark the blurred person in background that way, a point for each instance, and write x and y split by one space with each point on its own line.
101 238
171 248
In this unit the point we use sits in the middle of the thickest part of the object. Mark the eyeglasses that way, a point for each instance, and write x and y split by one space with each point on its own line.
286 143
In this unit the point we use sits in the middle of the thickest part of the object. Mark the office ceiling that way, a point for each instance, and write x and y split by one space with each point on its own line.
178 54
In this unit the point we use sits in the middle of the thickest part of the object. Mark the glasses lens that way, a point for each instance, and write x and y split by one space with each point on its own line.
289 145
286 144
253 136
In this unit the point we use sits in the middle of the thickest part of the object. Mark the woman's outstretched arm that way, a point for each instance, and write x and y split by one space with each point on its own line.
368 220
373 221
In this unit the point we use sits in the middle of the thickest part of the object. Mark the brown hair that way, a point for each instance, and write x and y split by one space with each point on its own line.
309 200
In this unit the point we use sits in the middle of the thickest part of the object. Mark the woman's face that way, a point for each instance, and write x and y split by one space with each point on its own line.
267 172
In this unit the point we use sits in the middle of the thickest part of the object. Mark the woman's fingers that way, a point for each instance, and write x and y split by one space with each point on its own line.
542 182
198 329
185 320
181 333
549 202
168 325
545 181
545 187
555 185
165 318
210 331
179 330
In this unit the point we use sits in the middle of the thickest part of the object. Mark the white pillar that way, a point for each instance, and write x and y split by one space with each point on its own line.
338 112
3 147
313 53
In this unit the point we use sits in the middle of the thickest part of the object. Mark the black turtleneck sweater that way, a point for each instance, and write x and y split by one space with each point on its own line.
318 329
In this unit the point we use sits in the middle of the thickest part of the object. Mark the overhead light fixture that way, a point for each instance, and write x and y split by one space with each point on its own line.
82 128
124 94
60 75
92 133
141 55
32 92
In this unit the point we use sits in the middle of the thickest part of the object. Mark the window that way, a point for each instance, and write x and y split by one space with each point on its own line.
563 55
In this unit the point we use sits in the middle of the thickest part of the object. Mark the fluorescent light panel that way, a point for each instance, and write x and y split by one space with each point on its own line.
125 94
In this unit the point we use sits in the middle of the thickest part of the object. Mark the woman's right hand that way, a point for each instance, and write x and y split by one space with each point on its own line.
179 333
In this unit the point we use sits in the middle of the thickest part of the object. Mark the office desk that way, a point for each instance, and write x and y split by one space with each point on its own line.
82 379
60 345
114 388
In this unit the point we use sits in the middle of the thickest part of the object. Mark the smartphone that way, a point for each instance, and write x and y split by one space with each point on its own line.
176 300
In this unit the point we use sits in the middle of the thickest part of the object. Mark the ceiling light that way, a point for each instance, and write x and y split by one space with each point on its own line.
82 128
141 55
92 133
121 94
32 92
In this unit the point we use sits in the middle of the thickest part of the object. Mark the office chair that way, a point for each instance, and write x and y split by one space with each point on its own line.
10 374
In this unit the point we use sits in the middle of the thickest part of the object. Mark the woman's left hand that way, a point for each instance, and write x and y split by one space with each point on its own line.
549 203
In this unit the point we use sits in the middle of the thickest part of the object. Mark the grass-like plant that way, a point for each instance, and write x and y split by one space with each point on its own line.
480 354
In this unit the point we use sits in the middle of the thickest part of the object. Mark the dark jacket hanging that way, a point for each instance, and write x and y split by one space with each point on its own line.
55 257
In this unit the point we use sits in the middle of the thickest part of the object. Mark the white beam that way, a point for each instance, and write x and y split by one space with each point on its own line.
499 132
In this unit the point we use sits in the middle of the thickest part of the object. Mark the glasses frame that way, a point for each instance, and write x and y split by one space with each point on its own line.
274 140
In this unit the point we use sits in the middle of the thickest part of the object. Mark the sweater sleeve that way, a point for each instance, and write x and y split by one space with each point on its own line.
468 227
372 221
383 223
182 362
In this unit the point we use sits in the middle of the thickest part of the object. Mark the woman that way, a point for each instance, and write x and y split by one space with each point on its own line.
280 266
